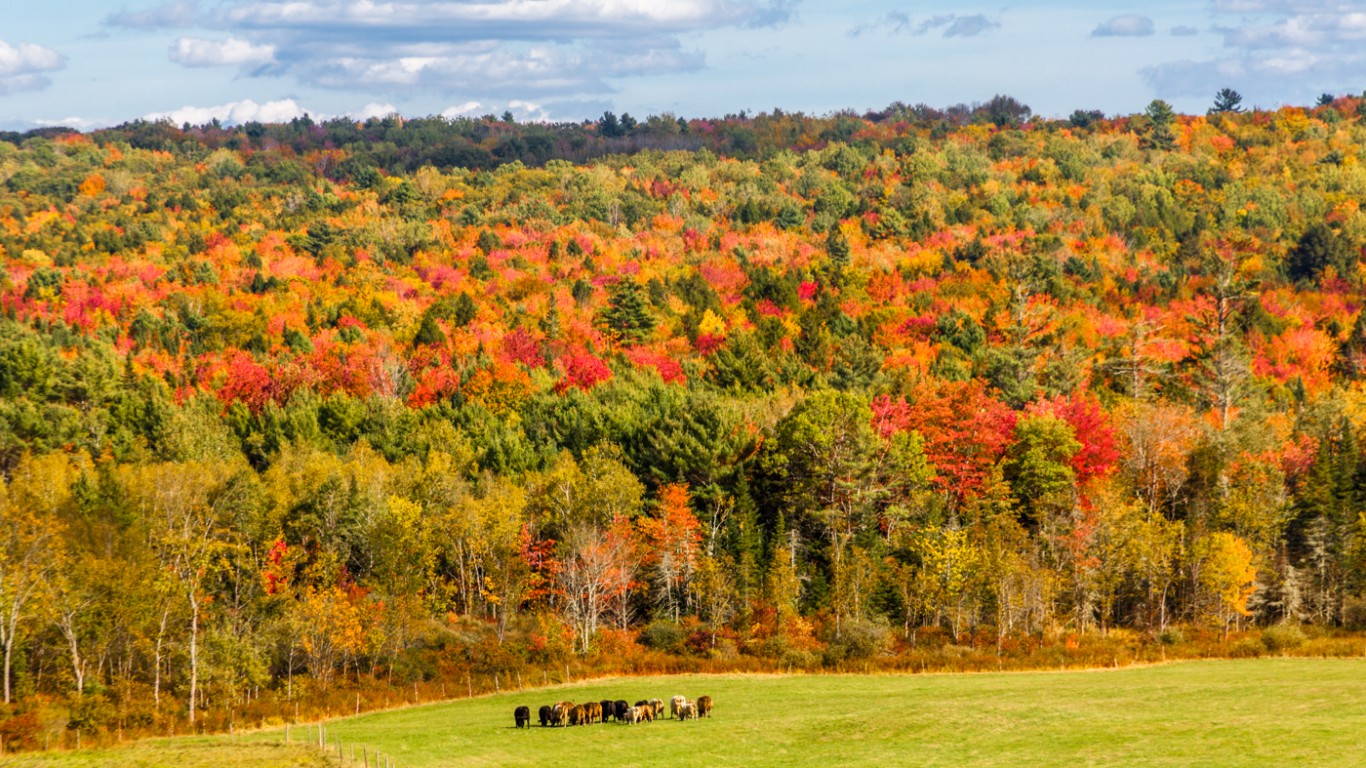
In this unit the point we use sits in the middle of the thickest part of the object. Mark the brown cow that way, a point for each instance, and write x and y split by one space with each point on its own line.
688 711
704 706
592 712
658 705
578 715
562 712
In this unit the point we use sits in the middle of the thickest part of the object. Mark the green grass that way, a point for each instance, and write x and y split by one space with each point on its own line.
1218 713
189 752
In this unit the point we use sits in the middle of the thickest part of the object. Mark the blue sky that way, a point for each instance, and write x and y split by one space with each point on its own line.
90 63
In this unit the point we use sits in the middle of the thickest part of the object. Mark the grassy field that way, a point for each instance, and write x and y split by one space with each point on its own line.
179 753
1218 713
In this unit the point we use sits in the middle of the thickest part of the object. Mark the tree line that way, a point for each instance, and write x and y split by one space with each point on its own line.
278 416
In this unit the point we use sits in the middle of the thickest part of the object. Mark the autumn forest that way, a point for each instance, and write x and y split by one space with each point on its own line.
328 411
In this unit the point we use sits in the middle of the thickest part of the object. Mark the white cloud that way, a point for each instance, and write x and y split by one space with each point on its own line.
528 111
1184 31
461 110
895 22
75 123
492 70
957 26
1276 51
22 66
1126 25
374 110
234 113
196 52
492 49
535 18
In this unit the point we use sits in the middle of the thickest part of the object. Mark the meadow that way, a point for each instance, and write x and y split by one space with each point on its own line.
1301 712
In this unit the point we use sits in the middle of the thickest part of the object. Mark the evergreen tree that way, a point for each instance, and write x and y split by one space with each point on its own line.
428 332
1319 248
1161 117
1226 100
627 316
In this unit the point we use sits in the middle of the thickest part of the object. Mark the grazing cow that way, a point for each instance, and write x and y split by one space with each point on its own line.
675 703
609 709
620 708
578 715
688 711
704 706
548 718
633 715
658 704
592 712
647 713
562 712
523 717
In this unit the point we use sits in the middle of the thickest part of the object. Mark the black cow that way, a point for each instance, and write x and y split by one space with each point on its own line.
609 710
522 716
621 708
548 716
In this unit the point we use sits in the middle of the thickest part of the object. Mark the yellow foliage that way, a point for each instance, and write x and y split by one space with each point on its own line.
711 324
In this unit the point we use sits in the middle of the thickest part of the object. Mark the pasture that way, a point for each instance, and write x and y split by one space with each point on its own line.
1213 713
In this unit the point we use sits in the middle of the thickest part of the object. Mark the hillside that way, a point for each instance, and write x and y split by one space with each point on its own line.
287 409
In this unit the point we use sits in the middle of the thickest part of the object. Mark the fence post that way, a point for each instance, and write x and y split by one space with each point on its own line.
358 702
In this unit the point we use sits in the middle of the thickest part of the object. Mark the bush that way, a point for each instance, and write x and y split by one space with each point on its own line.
20 731
1171 636
663 635
1283 637
858 640
1354 608
1247 648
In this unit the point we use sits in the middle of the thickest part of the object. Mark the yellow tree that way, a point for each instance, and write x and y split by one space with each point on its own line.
31 546
950 574
183 507
1227 572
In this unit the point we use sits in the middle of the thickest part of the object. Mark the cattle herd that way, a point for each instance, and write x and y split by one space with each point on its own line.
568 713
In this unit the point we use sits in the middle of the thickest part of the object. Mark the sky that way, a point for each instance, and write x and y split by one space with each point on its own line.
94 63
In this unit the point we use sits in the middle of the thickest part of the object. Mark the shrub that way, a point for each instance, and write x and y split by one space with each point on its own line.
1171 636
663 635
1283 637
20 731
1354 608
859 639
1247 648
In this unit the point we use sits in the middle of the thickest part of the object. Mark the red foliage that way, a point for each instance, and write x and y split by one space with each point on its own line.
966 431
519 346
669 369
1091 425
582 369
276 575
248 382
707 344
539 556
